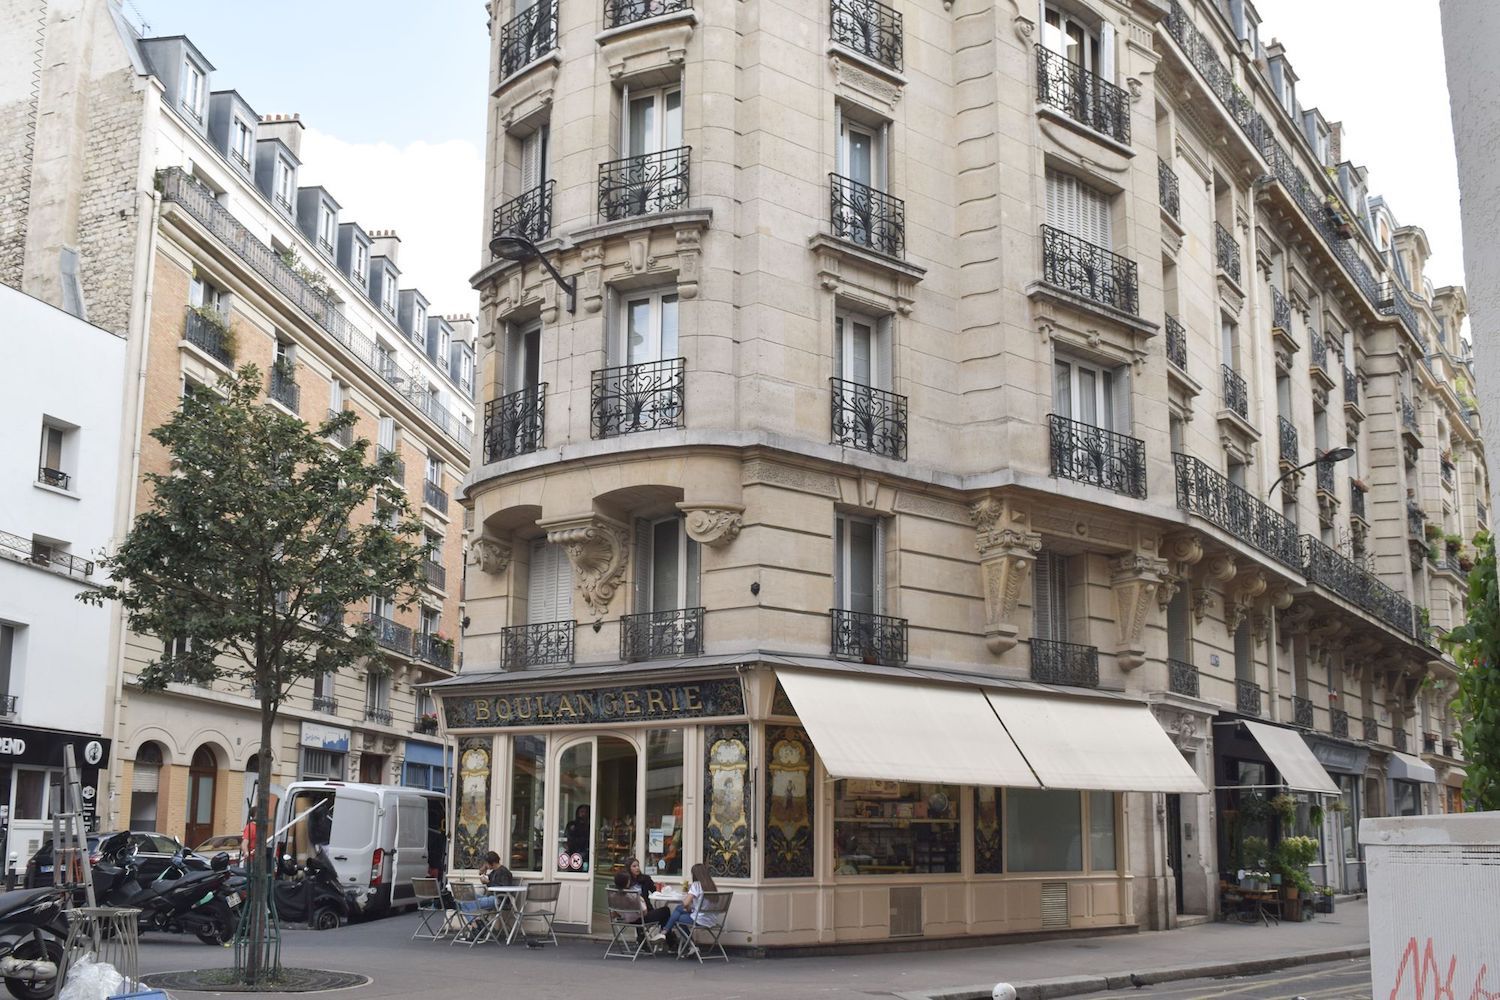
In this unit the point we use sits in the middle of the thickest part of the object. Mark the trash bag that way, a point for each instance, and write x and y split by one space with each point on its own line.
91 980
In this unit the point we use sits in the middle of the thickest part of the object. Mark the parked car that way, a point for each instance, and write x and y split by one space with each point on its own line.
153 853
229 843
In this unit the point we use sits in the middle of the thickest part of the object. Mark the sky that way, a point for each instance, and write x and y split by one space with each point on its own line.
393 96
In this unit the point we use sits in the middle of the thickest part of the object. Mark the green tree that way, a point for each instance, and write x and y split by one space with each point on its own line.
253 547
1476 646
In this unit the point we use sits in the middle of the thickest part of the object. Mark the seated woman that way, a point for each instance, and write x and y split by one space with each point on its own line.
686 915
643 883
648 918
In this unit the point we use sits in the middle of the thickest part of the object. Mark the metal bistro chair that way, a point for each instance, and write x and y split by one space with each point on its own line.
430 906
626 920
478 925
540 903
714 906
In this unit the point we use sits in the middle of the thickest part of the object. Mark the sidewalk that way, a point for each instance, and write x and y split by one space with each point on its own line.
404 968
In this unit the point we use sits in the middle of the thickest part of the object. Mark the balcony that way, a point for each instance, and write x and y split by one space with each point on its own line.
1088 271
1391 300
868 638
32 552
1445 469
1202 491
1325 477
1351 389
657 635
436 575
1416 523
378 715
1398 739
1318 366
1247 696
1182 678
398 468
1409 425
1236 393
643 397
1281 312
1168 193
868 419
208 332
282 387
514 423
1326 568
527 215
863 215
539 645
1429 743
619 13
1088 454
1287 437
1065 663
1371 730
1176 343
343 437
1482 513
53 477
390 635
327 704
1227 252
643 185
1083 96
528 36
434 496
1302 712
872 29
434 651
1338 723
1449 748
1357 502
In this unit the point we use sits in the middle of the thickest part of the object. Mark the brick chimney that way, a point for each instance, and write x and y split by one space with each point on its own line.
385 243
287 128
463 327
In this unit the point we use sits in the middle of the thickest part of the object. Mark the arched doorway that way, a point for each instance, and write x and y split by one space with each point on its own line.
202 774
145 787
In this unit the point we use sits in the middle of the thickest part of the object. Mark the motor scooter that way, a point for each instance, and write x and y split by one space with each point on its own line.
33 936
312 895
179 901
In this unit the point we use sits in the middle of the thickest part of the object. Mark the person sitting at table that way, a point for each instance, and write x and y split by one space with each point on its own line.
645 885
686 915
649 919
494 875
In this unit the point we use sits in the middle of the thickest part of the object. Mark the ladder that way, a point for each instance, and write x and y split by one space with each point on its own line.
70 836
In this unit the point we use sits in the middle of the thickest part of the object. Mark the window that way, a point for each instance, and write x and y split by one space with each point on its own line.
528 793
1349 793
321 764
444 343
1408 798
286 353
526 355
664 775
55 465
1244 653
575 782
434 470
388 292
534 159
381 606
326 228
432 618
1179 627
145 785
323 688
241 141
419 323
385 361
1079 210
377 691
1043 830
1049 611
7 659
861 151
1084 392
857 575
336 396
284 183
1229 341
861 350
1101 831
466 370
386 434
1078 42
652 121
648 328
192 89
666 566
360 270
896 827
204 294
549 591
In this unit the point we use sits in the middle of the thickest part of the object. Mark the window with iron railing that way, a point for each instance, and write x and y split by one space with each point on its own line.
1176 343
641 397
618 13
537 645
645 184
869 419
1227 252
1247 697
869 28
1287 437
862 214
1089 454
528 215
1081 95
1207 493
513 423
868 638
528 36
1078 266
656 635
1066 663
1236 393
1167 191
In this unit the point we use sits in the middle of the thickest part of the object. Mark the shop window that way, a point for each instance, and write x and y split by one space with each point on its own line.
1043 830
895 828
322 764
663 818
1407 799
1102 831
528 791
989 856
38 793
145 785
575 777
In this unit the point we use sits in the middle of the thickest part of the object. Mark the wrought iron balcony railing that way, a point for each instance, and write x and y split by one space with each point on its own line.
1409 416
1236 393
434 651
1168 192
390 635
53 477
437 576
1302 712
644 185
868 638
1448 748
1176 343
861 214
1227 252
398 470
345 436
1247 695
1066 663
872 29
538 645
1325 477
1338 723
1326 568
1416 522
379 715
528 215
1287 436
528 36
657 635
1088 454
1083 96
282 387
1182 678
1371 730
1089 271
1351 387
1429 743
869 419
618 13
1357 501
1318 352
1445 468
434 496
514 423
327 704
41 555
208 336
1202 491
1398 739
1281 311
644 397
1392 301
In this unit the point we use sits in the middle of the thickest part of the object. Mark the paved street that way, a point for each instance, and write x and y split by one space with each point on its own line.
404 968
1346 980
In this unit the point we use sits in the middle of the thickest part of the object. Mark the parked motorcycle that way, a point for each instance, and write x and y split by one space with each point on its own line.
33 936
179 901
313 894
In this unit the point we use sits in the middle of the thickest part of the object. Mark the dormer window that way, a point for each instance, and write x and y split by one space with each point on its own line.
284 184
193 88
418 322
388 293
326 226
444 340
360 272
241 139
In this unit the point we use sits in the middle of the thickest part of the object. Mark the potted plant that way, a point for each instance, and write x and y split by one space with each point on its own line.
1285 807
1465 561
1323 903
1292 858
1336 805
1453 543
1433 532
428 723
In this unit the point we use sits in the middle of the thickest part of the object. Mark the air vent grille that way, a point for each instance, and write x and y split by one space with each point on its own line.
906 911
1054 904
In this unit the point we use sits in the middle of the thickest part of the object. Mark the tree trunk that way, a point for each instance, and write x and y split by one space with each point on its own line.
260 916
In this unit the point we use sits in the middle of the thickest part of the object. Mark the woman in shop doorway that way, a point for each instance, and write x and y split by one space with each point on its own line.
686 914
576 833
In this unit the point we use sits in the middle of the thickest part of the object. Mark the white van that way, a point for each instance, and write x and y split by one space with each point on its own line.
380 837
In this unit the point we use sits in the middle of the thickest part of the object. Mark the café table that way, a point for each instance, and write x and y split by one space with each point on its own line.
508 899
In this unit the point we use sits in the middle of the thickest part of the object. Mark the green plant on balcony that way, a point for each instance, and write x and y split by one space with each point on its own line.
219 323
1433 532
428 723
1453 542
1465 561
314 278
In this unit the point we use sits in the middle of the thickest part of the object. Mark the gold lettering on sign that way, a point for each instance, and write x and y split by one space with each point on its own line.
676 706
542 711
655 702
690 698
523 709
565 708
608 703
482 710
632 704
586 703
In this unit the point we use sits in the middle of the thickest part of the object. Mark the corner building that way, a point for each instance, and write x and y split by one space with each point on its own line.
885 524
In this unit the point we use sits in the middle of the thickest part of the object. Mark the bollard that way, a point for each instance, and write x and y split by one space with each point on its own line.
1003 991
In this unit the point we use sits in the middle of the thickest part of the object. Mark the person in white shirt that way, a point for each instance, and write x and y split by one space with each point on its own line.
688 913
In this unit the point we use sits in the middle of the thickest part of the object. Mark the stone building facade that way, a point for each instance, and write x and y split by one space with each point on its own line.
170 212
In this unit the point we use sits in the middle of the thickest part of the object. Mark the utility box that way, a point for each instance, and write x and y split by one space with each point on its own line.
1434 905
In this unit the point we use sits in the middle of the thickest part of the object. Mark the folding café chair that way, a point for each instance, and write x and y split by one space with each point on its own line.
478 925
715 907
626 924
432 909
540 903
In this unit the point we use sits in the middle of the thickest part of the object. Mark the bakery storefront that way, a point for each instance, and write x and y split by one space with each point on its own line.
839 803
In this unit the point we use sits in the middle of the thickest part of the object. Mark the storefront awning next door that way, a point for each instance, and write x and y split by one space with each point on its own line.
1405 767
1081 743
868 727
1299 769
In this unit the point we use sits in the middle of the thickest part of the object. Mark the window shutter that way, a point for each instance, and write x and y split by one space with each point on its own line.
1041 596
542 587
642 565
1094 216
1107 54
693 562
562 577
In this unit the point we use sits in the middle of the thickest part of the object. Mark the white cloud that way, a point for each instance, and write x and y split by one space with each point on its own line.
431 194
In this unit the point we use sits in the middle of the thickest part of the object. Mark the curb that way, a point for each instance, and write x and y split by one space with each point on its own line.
1067 986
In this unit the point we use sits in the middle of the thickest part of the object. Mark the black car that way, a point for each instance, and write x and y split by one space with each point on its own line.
153 853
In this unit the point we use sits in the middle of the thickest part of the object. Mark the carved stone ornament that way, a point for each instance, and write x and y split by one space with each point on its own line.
599 550
1134 578
1240 600
1181 726
713 524
1007 548
490 554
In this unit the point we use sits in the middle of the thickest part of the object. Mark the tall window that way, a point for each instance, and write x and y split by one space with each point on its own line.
360 270
526 356
323 686
857 567
388 292
54 464
549 591
1084 392
145 784
203 293
648 328
284 182
666 566
1049 590
241 142
336 396
534 158
861 350
382 606
1229 341
419 322
192 89
1077 41
652 121
434 470
377 691
1079 210
386 434
326 227
861 152
7 656
528 794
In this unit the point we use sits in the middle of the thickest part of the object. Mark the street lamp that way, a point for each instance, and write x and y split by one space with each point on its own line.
1327 458
509 246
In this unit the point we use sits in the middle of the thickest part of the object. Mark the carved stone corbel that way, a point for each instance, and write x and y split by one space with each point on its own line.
591 278
689 255
490 554
1218 570
1240 600
713 524
599 550
1182 552
1134 578
1007 548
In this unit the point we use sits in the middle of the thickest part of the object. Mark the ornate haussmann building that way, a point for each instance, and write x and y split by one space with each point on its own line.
908 500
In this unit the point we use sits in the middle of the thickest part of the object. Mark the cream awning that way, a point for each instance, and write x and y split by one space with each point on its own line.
1299 769
1082 743
870 727
1405 767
